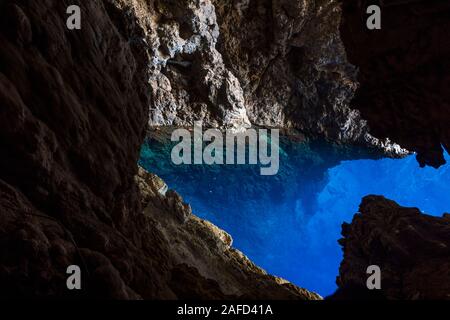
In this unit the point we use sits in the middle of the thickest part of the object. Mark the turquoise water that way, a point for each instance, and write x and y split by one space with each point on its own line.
289 224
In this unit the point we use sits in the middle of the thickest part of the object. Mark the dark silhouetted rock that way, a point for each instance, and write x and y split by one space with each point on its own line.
411 248
404 73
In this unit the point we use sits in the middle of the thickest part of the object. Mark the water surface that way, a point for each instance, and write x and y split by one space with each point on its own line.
289 223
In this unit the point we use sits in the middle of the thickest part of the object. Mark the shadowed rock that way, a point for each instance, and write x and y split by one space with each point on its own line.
404 73
74 111
412 250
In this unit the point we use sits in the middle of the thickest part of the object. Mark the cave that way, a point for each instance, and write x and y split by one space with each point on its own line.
85 182
290 223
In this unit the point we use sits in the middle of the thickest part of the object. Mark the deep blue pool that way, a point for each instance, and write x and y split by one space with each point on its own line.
289 224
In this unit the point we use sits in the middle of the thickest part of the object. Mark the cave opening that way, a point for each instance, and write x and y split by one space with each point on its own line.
289 223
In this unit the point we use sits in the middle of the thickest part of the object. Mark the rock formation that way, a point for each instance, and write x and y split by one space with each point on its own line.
71 110
73 115
411 248
404 73
205 265
260 62
75 105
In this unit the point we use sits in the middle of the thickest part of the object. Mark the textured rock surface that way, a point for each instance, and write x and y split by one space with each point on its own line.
261 62
290 61
71 104
74 109
404 73
189 80
73 114
204 264
412 250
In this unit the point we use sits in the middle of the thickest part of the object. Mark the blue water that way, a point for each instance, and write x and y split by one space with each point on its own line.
289 224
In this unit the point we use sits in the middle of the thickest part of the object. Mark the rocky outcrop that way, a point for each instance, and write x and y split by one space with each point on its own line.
289 58
404 73
203 263
75 105
259 62
411 248
73 115
190 81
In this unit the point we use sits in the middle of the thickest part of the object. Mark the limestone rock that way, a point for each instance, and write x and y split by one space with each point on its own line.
265 63
190 81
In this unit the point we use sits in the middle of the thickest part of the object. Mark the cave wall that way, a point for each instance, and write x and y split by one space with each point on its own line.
277 63
72 109
290 61
74 112
299 64
404 73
